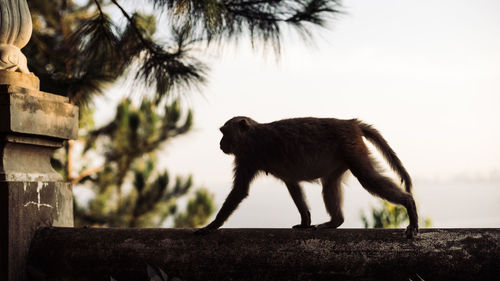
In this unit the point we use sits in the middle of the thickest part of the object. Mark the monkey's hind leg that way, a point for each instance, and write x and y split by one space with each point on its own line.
363 168
298 198
332 196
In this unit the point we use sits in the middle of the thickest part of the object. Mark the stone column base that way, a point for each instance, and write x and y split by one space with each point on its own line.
25 207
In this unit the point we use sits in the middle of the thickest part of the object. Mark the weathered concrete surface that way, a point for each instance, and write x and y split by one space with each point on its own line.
266 254
31 112
20 160
32 125
25 207
28 81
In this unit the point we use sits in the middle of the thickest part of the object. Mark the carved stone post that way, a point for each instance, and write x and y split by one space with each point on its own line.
15 33
32 125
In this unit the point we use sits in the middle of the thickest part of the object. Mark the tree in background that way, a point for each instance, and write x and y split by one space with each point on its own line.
388 215
79 48
127 147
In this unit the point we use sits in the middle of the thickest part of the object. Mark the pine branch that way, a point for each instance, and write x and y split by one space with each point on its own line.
98 6
138 33
229 19
85 174
163 69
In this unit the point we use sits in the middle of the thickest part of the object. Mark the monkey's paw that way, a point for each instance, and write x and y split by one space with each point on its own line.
330 224
411 231
303 226
203 231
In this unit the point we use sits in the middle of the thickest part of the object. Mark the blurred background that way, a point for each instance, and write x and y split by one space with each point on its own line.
426 74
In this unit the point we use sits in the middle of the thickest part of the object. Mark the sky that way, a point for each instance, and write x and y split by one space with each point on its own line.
426 74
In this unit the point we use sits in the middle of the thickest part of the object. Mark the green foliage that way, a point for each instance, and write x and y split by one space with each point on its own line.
128 144
388 215
196 210
262 20
77 49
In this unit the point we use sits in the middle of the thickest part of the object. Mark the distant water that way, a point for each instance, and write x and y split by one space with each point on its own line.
461 204
448 204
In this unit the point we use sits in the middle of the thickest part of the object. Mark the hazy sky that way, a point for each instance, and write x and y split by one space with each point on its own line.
425 73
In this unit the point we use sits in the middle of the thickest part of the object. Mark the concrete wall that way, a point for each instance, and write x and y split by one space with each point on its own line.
266 254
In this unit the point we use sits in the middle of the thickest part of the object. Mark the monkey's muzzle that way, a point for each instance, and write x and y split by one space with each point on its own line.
225 148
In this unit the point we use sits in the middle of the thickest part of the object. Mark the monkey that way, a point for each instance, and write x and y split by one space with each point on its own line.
307 149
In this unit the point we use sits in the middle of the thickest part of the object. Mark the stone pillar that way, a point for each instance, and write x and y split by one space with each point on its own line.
33 124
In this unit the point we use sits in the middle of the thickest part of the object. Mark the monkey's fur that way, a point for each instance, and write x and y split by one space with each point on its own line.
306 149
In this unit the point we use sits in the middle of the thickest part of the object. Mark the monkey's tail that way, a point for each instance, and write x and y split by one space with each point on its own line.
381 144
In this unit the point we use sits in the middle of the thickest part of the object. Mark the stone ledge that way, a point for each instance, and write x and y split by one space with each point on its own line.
32 112
12 89
33 124
29 81
265 254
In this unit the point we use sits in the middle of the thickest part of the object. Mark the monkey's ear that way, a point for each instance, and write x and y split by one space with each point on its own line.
244 125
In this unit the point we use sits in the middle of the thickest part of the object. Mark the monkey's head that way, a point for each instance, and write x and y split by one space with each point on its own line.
234 133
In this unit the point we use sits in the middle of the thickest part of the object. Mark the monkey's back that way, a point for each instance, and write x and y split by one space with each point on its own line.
302 148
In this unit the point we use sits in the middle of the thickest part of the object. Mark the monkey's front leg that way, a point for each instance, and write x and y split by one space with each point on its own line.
207 229
237 194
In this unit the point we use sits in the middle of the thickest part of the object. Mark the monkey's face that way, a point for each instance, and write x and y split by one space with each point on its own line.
233 132
228 141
